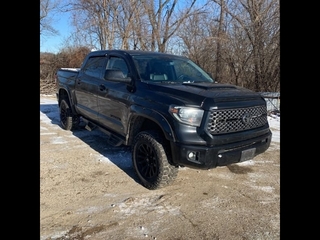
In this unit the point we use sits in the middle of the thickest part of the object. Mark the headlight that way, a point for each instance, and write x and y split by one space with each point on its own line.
188 115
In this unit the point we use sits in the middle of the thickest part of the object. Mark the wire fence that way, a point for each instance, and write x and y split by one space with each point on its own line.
273 101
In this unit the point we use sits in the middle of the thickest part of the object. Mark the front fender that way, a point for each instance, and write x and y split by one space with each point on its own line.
156 117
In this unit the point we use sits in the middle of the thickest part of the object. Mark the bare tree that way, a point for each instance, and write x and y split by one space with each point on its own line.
141 24
259 21
126 21
164 23
199 36
47 8
220 33
95 21
236 41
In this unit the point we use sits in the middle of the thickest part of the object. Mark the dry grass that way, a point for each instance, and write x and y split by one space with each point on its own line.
47 87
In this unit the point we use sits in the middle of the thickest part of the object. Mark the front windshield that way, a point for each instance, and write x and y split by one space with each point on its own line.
169 68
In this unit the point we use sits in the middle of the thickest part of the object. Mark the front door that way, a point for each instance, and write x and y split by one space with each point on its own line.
113 99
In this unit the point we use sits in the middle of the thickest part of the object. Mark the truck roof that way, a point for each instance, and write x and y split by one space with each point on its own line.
130 52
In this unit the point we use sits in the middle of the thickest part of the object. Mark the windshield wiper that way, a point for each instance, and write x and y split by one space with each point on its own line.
188 81
170 82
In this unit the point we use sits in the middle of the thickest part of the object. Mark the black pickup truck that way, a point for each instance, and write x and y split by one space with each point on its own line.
169 110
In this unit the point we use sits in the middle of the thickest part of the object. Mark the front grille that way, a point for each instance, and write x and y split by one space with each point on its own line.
235 120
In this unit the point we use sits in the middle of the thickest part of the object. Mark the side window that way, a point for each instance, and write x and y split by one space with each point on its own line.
118 64
94 66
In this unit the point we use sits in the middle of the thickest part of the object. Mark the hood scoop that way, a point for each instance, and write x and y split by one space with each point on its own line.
209 86
225 92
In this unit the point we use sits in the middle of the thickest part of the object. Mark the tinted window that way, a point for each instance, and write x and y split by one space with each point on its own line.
94 66
118 64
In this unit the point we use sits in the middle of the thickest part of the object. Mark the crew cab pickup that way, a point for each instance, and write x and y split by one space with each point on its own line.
169 111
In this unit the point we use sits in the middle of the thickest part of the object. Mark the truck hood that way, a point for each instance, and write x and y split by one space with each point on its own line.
204 94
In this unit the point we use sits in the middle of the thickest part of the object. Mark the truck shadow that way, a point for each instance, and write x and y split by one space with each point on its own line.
95 139
236 169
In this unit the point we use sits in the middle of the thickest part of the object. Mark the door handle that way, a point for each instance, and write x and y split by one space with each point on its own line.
103 88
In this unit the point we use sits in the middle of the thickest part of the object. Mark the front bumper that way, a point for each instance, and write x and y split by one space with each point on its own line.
211 157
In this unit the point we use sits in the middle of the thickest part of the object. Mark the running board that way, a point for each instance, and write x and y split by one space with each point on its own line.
112 139
90 126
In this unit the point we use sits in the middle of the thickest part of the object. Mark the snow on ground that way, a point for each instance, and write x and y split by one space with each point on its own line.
274 123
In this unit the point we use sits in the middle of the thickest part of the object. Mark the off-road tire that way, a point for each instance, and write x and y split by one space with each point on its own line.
150 161
68 120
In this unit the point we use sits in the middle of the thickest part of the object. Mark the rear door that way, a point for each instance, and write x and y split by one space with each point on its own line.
87 87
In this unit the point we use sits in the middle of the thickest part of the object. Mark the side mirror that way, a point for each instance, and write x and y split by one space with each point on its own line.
116 76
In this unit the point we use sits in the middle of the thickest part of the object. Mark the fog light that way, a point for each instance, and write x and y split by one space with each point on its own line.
192 156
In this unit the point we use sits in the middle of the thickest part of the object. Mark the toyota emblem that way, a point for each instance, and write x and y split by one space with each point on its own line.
246 118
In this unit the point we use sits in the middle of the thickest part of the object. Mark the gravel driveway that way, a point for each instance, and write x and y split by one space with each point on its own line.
88 190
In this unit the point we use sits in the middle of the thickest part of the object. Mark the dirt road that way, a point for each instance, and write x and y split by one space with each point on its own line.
88 190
